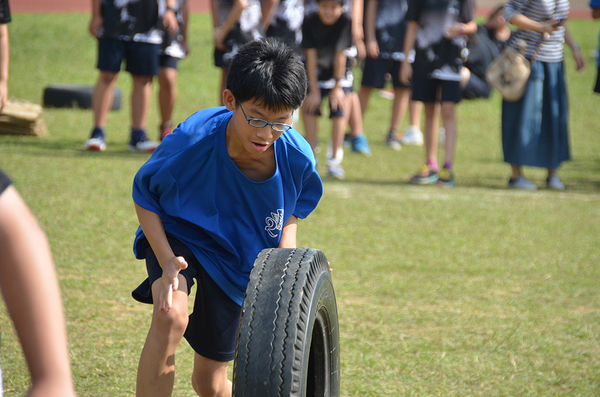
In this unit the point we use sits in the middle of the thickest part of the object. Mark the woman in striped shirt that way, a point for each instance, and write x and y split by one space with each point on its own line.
534 129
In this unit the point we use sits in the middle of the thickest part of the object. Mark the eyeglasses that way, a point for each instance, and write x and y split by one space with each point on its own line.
260 123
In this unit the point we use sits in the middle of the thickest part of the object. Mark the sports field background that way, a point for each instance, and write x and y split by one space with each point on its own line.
471 291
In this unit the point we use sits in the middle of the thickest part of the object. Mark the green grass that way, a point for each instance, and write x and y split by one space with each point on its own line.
469 291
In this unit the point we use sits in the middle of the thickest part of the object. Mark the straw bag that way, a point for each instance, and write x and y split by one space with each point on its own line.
509 72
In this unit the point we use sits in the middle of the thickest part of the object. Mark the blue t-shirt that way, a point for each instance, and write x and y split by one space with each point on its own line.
205 201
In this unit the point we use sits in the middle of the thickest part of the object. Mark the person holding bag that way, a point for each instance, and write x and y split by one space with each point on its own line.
535 128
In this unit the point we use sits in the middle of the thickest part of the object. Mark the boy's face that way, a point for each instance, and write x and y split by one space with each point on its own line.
255 141
329 11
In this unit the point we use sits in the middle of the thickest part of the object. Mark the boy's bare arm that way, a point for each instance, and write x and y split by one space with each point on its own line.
337 96
358 31
409 44
268 11
233 17
313 99
95 26
30 288
370 20
154 231
288 233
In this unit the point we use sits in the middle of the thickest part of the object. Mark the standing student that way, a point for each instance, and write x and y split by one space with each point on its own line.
230 182
535 128
173 48
384 32
130 31
436 31
326 35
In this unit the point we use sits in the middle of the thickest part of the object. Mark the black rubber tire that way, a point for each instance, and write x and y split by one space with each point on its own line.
75 96
288 341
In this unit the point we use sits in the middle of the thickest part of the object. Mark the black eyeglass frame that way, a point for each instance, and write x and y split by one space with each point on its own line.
260 123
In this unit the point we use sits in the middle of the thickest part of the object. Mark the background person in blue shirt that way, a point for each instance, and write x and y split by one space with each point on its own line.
229 182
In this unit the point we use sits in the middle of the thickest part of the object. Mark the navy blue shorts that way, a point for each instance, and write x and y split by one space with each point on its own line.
375 70
426 90
141 58
213 326
219 61
166 61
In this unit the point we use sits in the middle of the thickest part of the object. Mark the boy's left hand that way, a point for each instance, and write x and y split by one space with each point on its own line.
169 281
170 22
337 98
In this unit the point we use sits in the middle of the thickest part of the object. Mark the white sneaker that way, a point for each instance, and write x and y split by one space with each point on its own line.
140 143
334 169
96 144
412 136
143 146
339 156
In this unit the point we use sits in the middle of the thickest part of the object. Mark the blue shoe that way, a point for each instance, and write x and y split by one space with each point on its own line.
361 145
96 141
140 143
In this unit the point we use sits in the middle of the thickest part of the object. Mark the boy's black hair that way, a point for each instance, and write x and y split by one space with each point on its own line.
270 73
337 1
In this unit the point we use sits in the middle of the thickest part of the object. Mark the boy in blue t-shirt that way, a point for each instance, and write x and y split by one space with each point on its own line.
228 183
595 5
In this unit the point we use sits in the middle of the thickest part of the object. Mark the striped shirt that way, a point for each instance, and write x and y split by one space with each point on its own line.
551 49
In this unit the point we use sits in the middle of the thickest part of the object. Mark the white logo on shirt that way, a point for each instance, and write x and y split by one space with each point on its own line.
274 223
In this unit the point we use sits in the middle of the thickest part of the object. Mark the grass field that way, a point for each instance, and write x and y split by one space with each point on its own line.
469 291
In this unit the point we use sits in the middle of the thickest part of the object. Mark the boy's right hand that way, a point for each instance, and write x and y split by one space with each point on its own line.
312 101
373 49
406 73
95 27
169 281
219 38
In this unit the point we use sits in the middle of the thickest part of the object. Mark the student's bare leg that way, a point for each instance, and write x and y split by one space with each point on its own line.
102 98
140 99
310 129
209 378
338 126
414 110
363 97
355 120
449 122
401 99
432 112
167 92
156 370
